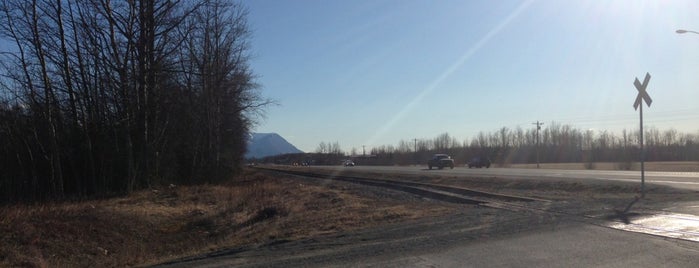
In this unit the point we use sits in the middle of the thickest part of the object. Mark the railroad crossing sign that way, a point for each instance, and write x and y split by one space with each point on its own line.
642 93
642 96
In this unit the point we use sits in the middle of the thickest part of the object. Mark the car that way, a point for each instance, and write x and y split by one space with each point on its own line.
348 163
479 162
440 161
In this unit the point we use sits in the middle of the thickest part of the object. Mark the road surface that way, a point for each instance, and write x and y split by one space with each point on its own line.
683 180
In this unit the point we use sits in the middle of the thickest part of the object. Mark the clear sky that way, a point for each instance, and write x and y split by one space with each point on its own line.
377 71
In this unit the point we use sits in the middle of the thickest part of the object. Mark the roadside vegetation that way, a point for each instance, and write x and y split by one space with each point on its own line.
157 225
108 97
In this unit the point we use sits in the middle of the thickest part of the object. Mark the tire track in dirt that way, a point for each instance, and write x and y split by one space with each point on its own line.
440 192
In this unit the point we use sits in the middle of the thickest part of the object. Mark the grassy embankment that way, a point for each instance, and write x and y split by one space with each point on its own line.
155 225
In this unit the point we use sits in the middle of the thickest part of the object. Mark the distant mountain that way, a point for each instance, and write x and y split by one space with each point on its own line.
268 144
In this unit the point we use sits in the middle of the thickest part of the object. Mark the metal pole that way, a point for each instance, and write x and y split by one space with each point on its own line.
538 127
643 156
537 144
642 96
417 162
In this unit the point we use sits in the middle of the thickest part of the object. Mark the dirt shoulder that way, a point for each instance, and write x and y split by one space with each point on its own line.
590 197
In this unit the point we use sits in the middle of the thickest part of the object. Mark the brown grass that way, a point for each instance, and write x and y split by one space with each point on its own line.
152 226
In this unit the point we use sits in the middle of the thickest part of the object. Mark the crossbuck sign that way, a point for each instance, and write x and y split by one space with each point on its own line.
642 93
642 96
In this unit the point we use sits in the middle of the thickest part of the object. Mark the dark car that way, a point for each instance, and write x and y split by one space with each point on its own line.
479 162
441 161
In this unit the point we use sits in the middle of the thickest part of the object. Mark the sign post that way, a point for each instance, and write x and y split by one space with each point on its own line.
642 96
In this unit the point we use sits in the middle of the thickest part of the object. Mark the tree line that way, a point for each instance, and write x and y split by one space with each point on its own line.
106 97
556 143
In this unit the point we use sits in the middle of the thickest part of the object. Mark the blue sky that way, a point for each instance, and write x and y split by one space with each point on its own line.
375 72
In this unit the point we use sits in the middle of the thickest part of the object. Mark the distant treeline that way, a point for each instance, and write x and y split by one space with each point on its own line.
106 97
557 144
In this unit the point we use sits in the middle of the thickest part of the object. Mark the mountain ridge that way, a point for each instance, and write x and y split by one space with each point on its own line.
268 144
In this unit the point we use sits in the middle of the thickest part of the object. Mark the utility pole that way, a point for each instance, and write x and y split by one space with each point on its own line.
415 152
363 150
538 127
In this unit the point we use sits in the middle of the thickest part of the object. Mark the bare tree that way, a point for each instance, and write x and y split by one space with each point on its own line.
102 92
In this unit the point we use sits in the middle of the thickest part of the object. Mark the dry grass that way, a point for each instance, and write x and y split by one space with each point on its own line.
156 225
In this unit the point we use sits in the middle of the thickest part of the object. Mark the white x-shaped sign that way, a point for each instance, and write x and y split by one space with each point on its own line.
642 93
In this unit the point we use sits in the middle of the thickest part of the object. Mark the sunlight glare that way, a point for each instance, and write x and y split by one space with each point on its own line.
446 73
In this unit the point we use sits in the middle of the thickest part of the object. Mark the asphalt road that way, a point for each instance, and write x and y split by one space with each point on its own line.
683 180
568 246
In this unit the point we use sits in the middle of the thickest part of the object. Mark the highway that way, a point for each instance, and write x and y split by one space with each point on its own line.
683 180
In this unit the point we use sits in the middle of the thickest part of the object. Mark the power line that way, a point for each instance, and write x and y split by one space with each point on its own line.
678 114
